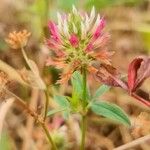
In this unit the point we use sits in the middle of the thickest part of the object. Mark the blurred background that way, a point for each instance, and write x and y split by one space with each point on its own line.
128 22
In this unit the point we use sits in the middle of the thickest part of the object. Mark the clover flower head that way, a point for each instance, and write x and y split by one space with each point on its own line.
19 39
77 40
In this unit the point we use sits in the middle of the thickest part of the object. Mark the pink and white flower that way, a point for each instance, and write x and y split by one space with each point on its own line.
77 40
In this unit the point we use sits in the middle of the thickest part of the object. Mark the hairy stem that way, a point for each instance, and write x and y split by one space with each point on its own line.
32 113
83 123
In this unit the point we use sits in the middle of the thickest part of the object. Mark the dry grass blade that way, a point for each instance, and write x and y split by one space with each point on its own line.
134 143
11 72
35 71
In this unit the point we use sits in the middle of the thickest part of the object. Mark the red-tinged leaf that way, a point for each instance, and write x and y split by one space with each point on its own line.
109 75
143 72
132 73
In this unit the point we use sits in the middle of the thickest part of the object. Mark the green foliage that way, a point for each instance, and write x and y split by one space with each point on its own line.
37 15
39 7
77 90
74 103
61 101
110 111
107 3
54 111
99 3
76 81
64 104
77 87
100 91
5 143
67 4
144 30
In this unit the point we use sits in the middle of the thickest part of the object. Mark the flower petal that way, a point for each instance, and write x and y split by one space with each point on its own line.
54 31
74 40
99 28
58 63
103 56
65 77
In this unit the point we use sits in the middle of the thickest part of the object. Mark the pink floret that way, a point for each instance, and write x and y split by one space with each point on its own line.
74 40
99 28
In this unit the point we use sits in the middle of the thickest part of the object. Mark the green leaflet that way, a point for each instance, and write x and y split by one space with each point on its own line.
110 111
62 101
54 111
77 87
76 81
100 91
66 114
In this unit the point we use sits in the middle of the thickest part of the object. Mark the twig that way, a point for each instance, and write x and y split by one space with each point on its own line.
38 118
134 143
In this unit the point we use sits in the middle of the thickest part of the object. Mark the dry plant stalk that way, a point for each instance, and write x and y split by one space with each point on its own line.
30 121
4 107
32 113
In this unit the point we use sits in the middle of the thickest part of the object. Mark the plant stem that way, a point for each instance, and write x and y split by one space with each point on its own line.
46 103
83 123
84 89
49 136
32 113
146 102
83 128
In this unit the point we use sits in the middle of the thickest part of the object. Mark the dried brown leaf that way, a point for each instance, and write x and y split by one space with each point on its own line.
34 74
109 75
